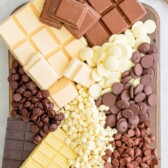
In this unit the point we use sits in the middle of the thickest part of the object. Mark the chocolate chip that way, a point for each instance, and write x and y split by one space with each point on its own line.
109 99
51 113
144 48
37 112
31 85
152 100
135 109
134 120
37 139
53 127
117 88
122 126
146 80
125 74
153 49
34 129
111 120
132 92
143 108
125 95
39 95
149 71
138 89
15 64
138 70
147 61
14 85
45 93
122 104
140 97
17 97
136 57
27 94
114 109
127 113
126 79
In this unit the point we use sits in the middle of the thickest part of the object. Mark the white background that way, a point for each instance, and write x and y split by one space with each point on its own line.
7 6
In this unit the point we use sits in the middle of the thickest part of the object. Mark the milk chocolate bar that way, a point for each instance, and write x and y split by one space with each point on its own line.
18 143
117 16
74 14
45 18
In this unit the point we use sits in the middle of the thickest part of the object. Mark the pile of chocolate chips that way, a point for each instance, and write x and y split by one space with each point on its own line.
131 105
129 112
133 149
32 104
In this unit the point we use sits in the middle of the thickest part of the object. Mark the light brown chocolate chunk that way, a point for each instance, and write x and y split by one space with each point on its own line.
138 69
152 100
146 80
140 97
147 61
122 126
117 88
127 113
111 120
136 57
109 99
138 89
144 48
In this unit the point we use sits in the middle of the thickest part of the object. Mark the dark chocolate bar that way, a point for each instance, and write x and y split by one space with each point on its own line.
18 143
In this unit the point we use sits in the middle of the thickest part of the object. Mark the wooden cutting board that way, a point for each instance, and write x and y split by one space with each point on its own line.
155 113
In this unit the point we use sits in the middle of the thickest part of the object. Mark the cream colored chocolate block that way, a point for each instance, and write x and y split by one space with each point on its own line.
63 35
59 62
79 72
38 5
74 48
24 52
42 74
47 155
27 19
11 33
34 59
63 91
45 42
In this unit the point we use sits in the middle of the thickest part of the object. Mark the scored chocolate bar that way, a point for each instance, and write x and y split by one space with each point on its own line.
18 143
117 16
46 19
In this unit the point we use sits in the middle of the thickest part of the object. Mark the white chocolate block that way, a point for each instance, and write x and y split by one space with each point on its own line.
79 72
74 48
27 19
63 91
44 42
24 52
43 74
11 33
59 62
63 35
38 5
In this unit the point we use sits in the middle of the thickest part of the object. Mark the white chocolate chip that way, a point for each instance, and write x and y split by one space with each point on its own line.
95 76
140 31
102 70
111 63
150 26
139 23
95 90
86 53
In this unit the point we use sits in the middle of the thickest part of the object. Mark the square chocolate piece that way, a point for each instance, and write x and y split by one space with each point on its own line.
71 13
115 22
91 18
17 146
46 19
117 16
99 6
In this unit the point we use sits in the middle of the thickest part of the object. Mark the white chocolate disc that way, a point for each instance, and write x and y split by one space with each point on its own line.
139 23
95 91
150 26
111 81
124 65
114 51
90 62
86 53
130 36
112 38
102 70
106 46
98 54
106 91
95 76
111 63
140 31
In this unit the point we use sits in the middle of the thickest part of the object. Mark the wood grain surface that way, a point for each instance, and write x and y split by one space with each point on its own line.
155 113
